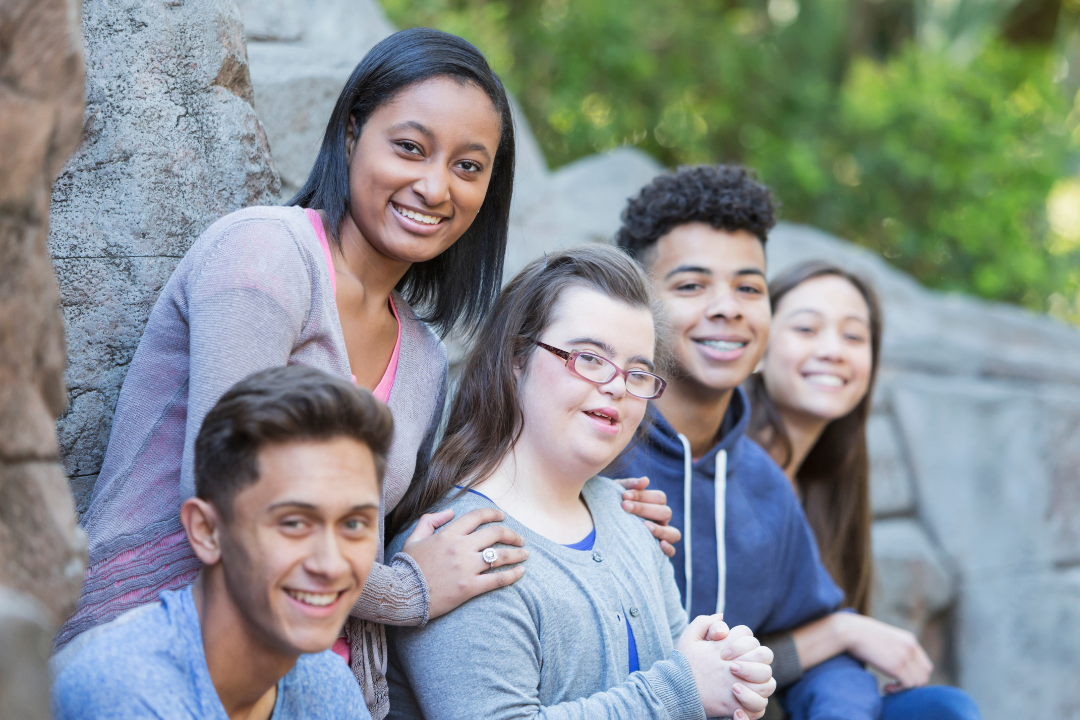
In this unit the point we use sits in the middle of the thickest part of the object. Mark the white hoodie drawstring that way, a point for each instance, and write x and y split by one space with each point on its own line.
688 565
720 481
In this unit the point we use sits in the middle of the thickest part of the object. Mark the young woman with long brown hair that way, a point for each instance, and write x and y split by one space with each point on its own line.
554 388
810 403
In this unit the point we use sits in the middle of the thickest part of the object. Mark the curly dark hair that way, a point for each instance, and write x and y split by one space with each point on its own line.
727 197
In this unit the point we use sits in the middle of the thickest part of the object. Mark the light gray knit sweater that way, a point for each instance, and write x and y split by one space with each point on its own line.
553 645
252 292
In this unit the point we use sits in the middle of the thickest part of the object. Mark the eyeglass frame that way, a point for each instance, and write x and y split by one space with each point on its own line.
570 356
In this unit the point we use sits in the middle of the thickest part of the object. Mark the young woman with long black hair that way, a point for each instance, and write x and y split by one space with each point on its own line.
811 401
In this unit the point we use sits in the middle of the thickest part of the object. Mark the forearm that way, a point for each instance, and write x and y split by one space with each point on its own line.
821 640
786 666
395 594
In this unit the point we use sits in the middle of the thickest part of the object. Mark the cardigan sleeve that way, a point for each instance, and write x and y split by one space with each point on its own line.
246 307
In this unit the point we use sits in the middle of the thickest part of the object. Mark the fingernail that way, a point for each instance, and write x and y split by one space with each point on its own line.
726 655
734 667
737 688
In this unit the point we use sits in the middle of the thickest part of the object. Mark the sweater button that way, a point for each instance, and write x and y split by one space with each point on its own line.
598 556
634 612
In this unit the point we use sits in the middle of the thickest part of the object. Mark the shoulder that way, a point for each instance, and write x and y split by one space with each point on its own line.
459 501
258 239
760 475
604 497
132 654
321 685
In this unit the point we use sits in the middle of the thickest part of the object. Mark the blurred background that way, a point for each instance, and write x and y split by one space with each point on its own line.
943 134
931 145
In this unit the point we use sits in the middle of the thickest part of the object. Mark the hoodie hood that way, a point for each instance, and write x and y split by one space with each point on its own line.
664 440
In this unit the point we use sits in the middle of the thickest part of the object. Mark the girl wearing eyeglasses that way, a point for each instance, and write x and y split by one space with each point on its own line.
555 387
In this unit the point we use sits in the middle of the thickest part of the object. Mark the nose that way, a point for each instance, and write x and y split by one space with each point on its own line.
830 347
615 387
723 304
326 559
433 187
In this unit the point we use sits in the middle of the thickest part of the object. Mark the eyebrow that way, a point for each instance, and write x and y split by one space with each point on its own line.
864 321
610 351
706 271
300 505
426 132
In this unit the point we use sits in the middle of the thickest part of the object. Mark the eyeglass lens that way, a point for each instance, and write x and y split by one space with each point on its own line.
601 370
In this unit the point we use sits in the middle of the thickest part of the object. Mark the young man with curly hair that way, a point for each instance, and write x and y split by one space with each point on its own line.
747 550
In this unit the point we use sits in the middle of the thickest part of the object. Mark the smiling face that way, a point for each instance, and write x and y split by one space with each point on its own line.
301 540
712 284
819 360
420 169
575 425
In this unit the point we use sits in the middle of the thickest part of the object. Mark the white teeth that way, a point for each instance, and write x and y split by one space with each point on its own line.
722 345
825 379
426 219
601 416
317 599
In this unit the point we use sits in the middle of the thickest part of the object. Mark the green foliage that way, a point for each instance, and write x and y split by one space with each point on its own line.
947 167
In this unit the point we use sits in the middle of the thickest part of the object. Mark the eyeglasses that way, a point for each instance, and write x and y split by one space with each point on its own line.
600 371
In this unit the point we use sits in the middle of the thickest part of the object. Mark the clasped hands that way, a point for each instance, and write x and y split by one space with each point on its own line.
731 669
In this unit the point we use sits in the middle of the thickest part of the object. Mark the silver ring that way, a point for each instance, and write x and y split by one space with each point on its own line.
490 555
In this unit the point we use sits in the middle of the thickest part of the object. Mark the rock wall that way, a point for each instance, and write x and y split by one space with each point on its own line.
170 144
42 550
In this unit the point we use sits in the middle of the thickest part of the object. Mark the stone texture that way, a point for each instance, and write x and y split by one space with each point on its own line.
25 636
171 143
41 70
42 550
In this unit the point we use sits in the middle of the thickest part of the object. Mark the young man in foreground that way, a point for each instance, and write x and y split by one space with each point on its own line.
288 474
747 550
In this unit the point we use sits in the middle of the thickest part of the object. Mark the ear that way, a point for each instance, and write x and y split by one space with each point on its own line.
352 134
202 522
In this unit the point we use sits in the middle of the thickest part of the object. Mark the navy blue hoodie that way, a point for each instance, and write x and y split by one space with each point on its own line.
774 580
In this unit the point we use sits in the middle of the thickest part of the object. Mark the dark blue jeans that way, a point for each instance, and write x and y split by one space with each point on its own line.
933 702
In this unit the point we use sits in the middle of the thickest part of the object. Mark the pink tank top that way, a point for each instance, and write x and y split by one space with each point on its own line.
386 384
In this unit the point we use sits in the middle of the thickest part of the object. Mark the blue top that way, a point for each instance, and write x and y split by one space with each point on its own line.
150 662
587 544
775 581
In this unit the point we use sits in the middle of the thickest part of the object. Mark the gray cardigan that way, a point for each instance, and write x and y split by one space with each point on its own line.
553 645
252 292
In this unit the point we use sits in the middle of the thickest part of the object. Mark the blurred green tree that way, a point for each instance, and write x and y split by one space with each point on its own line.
944 135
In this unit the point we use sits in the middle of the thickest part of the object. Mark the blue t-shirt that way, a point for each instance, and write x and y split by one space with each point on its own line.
150 662
587 544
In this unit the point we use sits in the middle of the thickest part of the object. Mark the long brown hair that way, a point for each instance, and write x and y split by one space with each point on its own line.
486 418
834 479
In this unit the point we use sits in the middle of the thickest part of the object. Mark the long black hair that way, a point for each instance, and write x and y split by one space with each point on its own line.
457 287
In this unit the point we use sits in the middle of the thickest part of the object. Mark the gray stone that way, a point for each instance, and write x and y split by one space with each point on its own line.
171 143
913 582
891 490
25 637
